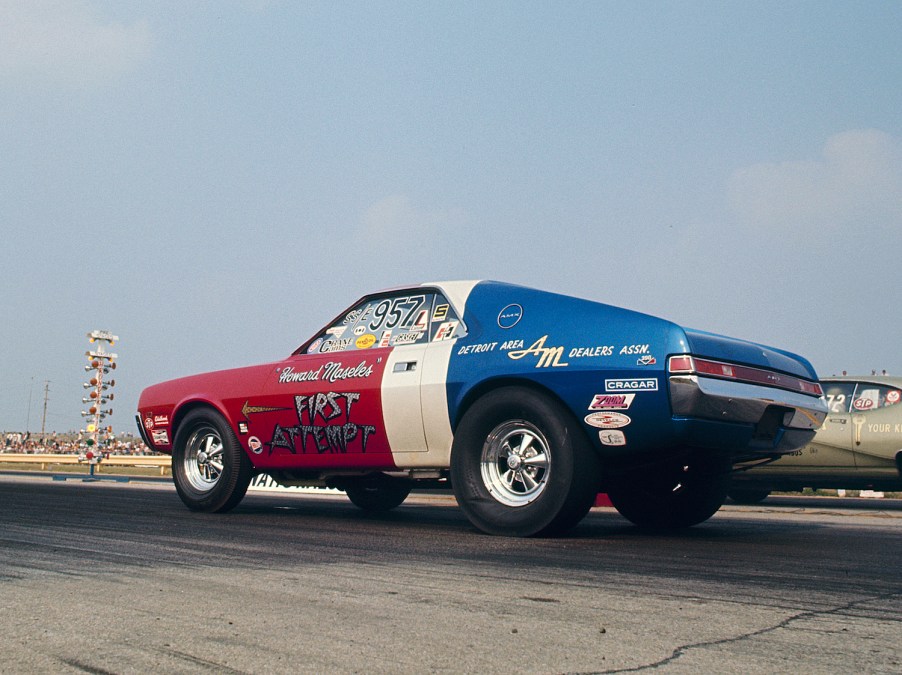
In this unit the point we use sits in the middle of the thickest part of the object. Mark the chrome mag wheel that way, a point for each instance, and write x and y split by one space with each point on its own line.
515 463
203 458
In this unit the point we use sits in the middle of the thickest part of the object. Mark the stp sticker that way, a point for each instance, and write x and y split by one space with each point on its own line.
610 437
148 422
863 404
607 420
255 445
612 402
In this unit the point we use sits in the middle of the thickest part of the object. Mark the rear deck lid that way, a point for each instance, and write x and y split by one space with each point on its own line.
719 347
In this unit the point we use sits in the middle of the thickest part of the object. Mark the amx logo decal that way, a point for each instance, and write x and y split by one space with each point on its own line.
639 384
510 316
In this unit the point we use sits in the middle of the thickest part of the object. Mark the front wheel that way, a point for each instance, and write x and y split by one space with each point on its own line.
520 466
678 493
210 469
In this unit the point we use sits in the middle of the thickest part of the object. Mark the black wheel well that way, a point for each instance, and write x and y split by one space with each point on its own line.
183 411
487 386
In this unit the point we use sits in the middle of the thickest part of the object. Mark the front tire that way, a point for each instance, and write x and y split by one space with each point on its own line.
520 466
210 469
676 494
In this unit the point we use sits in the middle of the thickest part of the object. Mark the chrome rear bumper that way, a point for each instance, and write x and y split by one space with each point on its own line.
727 401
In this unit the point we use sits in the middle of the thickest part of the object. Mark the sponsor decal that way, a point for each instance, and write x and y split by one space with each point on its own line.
892 397
159 437
607 420
421 323
510 316
315 345
647 360
633 349
242 427
365 341
445 331
406 339
478 349
385 340
336 331
863 403
611 437
335 345
359 330
148 422
638 384
548 356
334 371
612 402
324 425
591 352
255 444
440 313
161 420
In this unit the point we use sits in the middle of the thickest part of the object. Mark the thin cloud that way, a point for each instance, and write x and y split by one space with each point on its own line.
396 216
857 180
66 43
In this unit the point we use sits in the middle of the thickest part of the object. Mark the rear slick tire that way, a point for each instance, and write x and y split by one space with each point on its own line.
520 465
210 469
676 494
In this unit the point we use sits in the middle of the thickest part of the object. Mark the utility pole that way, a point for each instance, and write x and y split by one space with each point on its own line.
28 413
46 396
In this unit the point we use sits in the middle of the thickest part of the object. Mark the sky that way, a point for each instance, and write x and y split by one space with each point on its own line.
214 181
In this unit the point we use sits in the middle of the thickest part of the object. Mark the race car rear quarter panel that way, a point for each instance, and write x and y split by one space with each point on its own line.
605 363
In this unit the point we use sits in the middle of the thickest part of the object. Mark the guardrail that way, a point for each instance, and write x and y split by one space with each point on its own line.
45 460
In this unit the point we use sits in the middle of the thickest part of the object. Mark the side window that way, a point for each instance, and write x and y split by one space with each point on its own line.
445 322
872 396
839 396
391 320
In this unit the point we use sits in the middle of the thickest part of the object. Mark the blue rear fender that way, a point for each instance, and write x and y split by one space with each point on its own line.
607 365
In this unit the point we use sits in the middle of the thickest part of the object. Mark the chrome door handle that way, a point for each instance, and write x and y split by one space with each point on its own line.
404 367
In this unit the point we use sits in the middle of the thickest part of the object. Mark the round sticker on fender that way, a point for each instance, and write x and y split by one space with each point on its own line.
607 420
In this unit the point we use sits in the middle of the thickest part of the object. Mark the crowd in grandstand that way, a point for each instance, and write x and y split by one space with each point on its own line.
68 444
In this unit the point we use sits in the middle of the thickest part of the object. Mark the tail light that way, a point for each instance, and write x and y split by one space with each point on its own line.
684 363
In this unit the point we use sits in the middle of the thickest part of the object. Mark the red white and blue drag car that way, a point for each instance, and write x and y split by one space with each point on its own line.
525 403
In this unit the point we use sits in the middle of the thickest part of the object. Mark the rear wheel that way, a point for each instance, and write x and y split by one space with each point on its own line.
678 493
748 495
520 466
377 493
210 469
